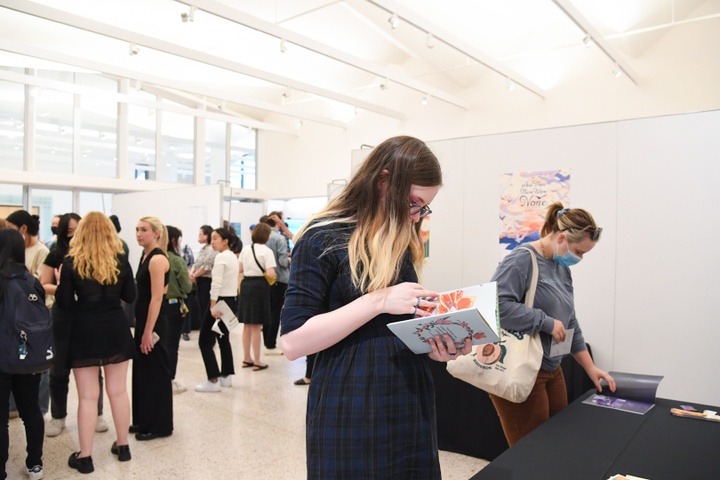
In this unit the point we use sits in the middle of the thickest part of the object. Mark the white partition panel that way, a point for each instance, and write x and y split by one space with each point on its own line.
187 208
667 266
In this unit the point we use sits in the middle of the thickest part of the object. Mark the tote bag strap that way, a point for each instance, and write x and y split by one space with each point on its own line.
530 294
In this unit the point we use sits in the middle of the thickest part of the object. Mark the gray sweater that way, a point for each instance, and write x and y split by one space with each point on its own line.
553 300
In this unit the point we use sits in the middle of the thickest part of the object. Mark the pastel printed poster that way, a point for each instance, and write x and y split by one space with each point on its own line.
524 199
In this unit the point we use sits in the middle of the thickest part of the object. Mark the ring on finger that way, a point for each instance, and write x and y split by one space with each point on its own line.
414 311
452 354
418 303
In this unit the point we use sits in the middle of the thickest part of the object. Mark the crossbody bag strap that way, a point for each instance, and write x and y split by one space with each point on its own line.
252 247
530 294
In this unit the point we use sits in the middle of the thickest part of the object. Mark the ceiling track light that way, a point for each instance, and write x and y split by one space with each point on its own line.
283 45
430 41
425 100
384 85
588 41
394 21
509 84
188 16
617 71
133 49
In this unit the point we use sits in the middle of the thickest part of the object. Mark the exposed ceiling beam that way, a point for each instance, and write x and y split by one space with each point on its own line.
129 36
589 29
24 49
224 11
452 40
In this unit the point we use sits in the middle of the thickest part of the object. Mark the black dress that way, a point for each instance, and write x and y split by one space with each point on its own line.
371 403
99 334
152 402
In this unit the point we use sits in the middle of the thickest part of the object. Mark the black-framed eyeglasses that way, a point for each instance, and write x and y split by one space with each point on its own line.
423 210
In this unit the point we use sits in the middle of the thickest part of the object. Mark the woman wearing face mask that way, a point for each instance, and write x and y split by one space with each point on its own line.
566 236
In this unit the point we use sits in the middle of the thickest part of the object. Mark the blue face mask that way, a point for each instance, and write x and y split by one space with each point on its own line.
567 260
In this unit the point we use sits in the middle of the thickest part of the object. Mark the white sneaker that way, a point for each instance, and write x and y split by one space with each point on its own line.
225 381
101 425
35 473
55 427
208 386
177 388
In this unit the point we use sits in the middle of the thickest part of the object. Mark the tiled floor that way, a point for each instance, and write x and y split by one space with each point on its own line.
254 430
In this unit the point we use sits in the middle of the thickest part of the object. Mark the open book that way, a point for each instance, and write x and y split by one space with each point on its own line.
467 312
634 393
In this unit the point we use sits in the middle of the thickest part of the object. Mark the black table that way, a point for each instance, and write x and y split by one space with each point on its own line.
593 443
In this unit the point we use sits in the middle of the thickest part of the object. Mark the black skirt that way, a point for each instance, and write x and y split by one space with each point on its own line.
254 301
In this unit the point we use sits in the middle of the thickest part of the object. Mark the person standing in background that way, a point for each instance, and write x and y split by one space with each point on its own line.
201 273
35 253
255 261
224 288
25 388
278 244
50 243
191 301
179 285
95 277
152 403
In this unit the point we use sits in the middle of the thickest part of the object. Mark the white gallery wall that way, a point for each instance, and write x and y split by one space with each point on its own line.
644 294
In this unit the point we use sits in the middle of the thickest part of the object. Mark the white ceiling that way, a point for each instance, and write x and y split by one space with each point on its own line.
341 57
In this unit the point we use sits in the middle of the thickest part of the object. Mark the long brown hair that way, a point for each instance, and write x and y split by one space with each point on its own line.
384 230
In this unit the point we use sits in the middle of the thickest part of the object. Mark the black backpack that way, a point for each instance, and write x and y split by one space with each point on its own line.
26 336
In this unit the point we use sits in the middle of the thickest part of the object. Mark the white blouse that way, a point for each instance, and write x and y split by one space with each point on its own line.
224 275
265 256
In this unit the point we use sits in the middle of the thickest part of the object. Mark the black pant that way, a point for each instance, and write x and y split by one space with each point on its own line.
174 330
272 324
26 390
207 339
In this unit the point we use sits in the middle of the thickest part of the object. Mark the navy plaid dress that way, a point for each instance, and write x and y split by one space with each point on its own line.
371 403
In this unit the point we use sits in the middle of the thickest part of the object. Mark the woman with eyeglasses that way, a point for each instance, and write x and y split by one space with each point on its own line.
356 264
566 236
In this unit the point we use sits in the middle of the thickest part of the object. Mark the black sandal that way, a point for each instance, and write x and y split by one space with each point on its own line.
247 364
301 381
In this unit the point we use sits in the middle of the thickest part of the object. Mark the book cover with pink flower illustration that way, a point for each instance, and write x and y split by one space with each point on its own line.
467 312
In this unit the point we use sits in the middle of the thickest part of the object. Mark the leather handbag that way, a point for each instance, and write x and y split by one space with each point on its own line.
509 367
271 281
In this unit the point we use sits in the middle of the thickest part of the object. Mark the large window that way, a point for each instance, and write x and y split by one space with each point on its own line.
242 157
77 119
12 125
177 163
98 127
215 148
47 204
53 130
141 140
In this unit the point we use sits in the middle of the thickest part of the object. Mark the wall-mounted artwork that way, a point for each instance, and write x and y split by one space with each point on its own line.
524 199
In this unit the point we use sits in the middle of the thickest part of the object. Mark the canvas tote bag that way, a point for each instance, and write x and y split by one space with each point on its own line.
507 368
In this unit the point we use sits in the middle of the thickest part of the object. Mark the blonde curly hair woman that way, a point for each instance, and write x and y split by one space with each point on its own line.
95 277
